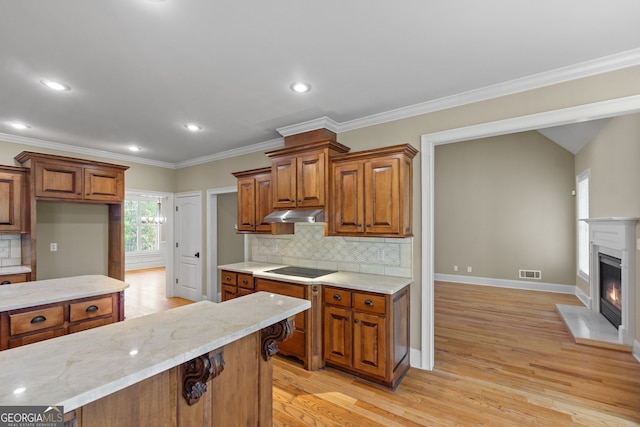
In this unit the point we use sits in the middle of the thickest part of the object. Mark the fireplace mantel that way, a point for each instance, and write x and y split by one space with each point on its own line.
616 237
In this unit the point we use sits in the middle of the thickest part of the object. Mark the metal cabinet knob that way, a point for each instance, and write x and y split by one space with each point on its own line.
368 302
337 297
6 282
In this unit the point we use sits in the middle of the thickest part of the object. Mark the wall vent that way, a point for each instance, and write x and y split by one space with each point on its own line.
530 274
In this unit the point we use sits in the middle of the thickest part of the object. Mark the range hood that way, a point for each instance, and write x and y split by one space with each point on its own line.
311 215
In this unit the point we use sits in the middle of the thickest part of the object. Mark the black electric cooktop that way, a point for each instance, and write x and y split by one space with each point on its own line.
308 273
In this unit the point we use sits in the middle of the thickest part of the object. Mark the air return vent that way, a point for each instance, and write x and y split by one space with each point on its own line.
530 274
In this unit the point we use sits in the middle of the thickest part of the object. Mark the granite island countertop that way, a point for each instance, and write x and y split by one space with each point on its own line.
40 292
342 279
74 370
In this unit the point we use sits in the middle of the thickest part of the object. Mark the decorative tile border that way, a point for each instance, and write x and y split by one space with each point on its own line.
309 247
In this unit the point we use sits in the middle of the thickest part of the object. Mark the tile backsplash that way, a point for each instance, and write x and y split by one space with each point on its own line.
309 247
10 250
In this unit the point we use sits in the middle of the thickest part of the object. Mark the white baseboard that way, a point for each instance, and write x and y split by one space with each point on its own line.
636 350
586 299
513 284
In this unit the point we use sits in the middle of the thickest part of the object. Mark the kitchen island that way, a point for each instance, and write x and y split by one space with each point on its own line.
44 309
200 364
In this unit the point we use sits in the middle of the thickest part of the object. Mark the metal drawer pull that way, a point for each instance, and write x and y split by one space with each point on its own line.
356 321
6 282
38 319
337 297
227 278
92 308
368 302
245 281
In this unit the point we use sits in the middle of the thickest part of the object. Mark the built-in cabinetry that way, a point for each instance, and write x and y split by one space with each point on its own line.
255 197
14 201
372 193
28 325
306 341
236 284
367 334
7 279
299 171
57 178
367 193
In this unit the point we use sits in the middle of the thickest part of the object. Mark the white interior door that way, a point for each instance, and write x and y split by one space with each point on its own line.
189 246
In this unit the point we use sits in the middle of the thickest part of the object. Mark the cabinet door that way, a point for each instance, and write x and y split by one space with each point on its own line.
263 202
348 197
246 204
58 180
283 176
311 180
103 184
228 292
369 344
382 202
337 335
10 202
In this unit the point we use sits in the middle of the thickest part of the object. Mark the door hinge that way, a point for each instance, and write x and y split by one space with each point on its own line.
176 209
176 280
176 244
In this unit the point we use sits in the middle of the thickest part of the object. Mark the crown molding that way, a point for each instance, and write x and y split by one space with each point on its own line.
41 143
593 67
261 146
320 123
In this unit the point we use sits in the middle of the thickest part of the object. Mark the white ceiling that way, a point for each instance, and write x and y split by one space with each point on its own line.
139 69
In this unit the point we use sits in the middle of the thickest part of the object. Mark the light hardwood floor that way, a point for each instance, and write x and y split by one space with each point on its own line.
503 358
146 293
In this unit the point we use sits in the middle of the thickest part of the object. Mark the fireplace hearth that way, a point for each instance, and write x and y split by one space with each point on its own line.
610 270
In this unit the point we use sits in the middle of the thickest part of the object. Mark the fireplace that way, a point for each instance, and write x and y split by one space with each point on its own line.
610 272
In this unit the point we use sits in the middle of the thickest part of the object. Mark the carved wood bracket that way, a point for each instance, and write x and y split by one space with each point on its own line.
277 332
196 372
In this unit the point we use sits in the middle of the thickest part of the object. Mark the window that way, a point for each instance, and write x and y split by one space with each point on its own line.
582 203
142 219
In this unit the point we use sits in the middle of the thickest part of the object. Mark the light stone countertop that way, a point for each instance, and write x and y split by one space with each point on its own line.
76 369
39 292
342 279
18 269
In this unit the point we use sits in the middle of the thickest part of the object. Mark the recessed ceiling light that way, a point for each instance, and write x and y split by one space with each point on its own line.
300 87
134 148
20 126
55 85
193 127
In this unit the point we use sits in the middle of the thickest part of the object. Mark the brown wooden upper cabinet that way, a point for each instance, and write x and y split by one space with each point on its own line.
299 172
255 202
13 200
78 180
372 193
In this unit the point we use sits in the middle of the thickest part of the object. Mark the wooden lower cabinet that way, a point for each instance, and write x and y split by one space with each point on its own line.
28 325
306 342
7 279
240 394
235 285
367 334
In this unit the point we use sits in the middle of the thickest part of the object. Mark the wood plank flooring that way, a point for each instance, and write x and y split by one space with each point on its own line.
503 358
146 293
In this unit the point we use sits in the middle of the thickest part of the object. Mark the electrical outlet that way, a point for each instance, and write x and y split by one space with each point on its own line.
469 269
455 268
53 247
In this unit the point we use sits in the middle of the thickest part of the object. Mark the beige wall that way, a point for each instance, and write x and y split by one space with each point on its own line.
614 184
503 204
230 243
81 233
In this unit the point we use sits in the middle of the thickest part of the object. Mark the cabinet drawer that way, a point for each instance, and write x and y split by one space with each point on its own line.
245 281
36 320
14 278
41 336
89 324
368 302
89 309
229 278
339 297
288 289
